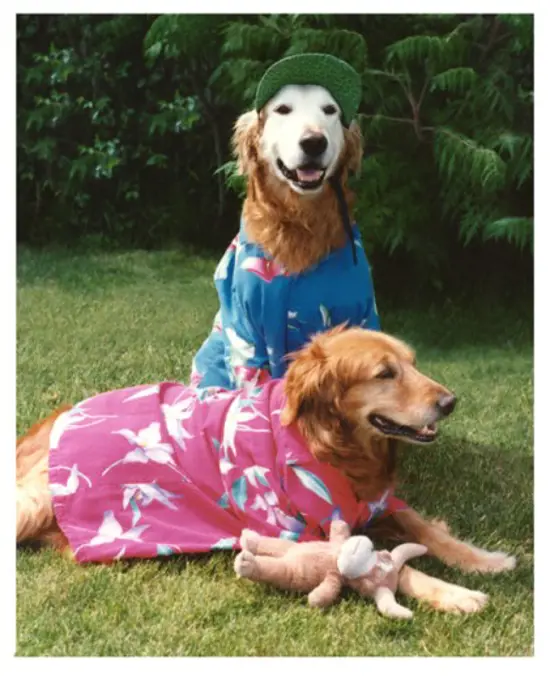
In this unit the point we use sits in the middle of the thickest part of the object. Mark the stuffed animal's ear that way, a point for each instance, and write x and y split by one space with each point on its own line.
245 141
406 551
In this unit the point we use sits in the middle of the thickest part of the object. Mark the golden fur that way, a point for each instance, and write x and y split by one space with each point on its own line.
296 231
327 386
35 517
332 385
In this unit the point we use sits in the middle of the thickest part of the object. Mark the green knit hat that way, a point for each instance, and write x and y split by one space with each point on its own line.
335 75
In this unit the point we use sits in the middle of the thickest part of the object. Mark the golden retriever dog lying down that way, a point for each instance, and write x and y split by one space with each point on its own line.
166 468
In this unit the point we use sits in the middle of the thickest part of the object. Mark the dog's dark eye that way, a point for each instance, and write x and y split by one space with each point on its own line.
283 109
330 110
386 374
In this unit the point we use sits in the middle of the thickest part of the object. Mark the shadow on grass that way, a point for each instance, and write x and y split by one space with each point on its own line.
94 272
462 323
477 488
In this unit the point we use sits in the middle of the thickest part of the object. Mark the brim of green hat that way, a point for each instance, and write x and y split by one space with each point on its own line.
338 77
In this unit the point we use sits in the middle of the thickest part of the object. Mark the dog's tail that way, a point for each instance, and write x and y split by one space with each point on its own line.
34 507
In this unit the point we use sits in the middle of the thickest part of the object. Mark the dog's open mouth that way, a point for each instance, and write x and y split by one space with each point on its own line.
388 427
308 176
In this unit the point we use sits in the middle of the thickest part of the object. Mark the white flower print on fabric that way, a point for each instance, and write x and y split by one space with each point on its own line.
111 530
240 351
235 421
269 503
378 506
145 392
145 494
148 448
74 419
220 273
226 465
325 316
73 481
142 495
256 475
294 323
209 395
262 503
175 414
224 543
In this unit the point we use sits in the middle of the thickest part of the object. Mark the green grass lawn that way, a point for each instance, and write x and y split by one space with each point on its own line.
88 323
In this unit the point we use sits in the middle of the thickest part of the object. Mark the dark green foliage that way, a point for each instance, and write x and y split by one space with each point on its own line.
124 124
112 145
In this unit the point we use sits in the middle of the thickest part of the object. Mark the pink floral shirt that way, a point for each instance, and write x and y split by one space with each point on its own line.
161 469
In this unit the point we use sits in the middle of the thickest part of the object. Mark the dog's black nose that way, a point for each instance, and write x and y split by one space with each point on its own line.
314 144
446 404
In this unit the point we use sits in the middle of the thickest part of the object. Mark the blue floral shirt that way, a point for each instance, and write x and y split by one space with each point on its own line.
265 313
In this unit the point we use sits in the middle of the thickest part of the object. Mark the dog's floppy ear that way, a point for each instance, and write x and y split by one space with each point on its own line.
245 141
309 381
353 148
304 380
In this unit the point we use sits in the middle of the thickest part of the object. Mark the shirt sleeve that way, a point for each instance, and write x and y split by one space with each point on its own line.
246 352
318 496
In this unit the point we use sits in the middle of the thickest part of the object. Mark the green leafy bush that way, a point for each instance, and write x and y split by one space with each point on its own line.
124 125
446 113
110 147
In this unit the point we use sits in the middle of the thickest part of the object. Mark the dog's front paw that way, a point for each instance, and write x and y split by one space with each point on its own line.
458 600
440 524
249 540
245 565
486 562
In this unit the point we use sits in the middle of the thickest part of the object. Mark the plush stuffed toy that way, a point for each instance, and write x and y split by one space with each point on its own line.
322 568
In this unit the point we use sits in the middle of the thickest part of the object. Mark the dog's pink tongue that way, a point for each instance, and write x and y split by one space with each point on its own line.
308 175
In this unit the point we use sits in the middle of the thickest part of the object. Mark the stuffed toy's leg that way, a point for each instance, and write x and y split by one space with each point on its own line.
339 532
264 545
263 569
283 574
386 604
327 591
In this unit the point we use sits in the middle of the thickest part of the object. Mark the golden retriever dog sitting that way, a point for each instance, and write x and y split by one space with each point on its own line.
160 469
297 265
